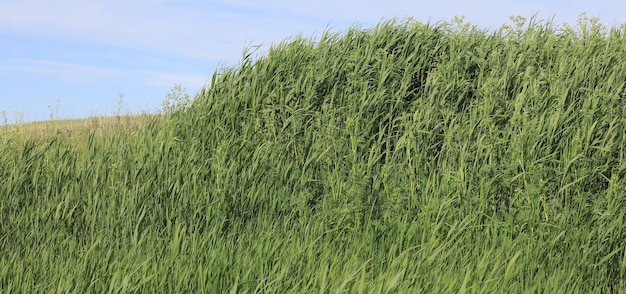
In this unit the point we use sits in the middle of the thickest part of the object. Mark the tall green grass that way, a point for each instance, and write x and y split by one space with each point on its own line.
408 157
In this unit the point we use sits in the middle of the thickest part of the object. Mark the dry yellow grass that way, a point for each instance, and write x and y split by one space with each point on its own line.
74 127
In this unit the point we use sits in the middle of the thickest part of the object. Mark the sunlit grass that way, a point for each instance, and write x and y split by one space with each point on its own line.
405 158
69 127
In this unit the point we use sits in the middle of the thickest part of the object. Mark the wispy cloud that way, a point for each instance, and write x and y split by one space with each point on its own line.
136 24
67 72
81 73
219 30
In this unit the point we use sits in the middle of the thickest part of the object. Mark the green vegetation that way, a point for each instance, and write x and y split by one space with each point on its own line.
405 158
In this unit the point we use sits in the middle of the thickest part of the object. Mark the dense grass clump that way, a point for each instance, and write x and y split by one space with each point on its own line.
408 157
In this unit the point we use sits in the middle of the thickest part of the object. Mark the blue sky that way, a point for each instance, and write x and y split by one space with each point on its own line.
74 58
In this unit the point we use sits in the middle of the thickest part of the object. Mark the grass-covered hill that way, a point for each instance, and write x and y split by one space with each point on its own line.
407 158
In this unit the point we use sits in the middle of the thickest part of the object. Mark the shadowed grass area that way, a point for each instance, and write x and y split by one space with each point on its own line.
407 158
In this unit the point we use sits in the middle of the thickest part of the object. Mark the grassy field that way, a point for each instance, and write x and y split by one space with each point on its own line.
43 129
406 158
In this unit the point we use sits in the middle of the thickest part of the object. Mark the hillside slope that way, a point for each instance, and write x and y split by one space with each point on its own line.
405 158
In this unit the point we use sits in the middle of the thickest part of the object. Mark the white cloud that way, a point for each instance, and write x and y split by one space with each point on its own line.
80 73
216 31
137 24
67 72
219 30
